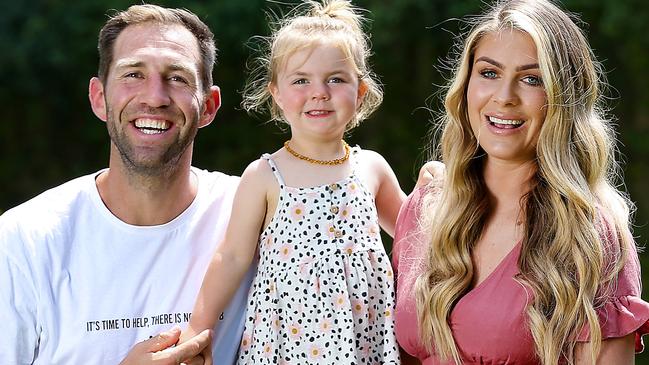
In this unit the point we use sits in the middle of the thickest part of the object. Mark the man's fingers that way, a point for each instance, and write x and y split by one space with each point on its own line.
191 348
163 340
207 356
198 360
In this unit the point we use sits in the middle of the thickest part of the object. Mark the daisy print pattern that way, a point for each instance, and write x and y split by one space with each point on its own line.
323 256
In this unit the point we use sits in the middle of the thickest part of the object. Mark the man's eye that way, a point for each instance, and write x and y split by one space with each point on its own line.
135 75
178 79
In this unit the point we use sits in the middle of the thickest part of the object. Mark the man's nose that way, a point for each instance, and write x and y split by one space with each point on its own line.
155 92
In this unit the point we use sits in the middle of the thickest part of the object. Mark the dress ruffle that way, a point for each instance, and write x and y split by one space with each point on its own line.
620 317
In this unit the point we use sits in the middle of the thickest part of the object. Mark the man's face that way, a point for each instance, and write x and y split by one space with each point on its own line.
154 100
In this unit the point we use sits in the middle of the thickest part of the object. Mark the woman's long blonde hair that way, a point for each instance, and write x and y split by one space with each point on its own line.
564 261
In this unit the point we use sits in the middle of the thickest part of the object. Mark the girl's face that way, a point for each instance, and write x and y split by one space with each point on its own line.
506 99
318 92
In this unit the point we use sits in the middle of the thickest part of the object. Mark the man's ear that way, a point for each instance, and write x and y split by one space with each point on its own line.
212 105
97 98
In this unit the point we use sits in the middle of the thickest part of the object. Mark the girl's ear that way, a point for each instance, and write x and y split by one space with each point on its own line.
277 96
362 90
97 98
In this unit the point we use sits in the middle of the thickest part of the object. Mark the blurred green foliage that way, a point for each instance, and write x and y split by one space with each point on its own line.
48 133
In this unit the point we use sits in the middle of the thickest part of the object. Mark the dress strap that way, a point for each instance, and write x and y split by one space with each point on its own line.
354 155
273 167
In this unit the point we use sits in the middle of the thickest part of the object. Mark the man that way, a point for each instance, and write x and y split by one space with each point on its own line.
94 266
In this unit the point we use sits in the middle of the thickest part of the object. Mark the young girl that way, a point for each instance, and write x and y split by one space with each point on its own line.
324 286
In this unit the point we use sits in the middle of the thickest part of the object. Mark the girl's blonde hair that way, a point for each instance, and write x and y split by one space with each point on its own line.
313 23
573 211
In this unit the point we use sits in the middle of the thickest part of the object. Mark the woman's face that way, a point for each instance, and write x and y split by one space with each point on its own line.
506 99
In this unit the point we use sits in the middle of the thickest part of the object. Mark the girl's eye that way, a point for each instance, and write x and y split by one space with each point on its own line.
489 74
300 82
336 80
533 80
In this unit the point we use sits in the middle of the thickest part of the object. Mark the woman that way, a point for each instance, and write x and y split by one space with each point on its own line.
525 255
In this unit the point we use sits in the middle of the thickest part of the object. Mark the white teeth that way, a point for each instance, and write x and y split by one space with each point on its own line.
151 131
318 112
152 126
505 121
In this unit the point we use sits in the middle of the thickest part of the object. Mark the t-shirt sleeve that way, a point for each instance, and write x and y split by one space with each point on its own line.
623 311
18 312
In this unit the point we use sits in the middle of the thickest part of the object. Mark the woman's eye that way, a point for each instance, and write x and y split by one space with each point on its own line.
533 80
490 74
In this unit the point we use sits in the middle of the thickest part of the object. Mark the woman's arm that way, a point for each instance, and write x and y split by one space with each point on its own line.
614 351
234 255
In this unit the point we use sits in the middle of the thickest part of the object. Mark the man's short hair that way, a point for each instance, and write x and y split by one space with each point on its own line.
140 14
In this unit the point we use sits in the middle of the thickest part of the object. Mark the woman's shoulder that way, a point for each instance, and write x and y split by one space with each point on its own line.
409 228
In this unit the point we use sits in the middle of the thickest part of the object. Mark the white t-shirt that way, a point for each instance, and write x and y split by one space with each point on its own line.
79 286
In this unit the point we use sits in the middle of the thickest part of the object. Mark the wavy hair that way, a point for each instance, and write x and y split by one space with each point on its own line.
573 200
312 23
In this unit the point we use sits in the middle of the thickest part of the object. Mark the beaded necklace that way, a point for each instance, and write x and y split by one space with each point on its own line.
337 161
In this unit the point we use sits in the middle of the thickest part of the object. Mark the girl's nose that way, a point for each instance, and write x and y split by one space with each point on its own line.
320 92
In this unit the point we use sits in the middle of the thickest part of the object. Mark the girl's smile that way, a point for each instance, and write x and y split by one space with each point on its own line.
318 91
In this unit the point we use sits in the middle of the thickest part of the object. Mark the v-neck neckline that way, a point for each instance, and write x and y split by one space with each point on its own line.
501 266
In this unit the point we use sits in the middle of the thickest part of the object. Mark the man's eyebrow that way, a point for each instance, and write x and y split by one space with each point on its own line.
179 66
128 63
174 67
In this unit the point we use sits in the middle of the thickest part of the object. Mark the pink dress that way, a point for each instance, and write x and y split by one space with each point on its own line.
489 323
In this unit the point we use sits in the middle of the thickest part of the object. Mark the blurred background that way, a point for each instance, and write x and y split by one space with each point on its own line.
48 133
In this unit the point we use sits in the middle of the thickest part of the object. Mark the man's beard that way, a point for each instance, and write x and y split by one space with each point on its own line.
159 164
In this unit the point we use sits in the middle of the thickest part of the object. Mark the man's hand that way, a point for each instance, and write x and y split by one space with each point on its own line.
432 173
159 350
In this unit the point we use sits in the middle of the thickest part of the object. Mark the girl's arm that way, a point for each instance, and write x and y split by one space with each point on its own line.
235 254
389 195
614 351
